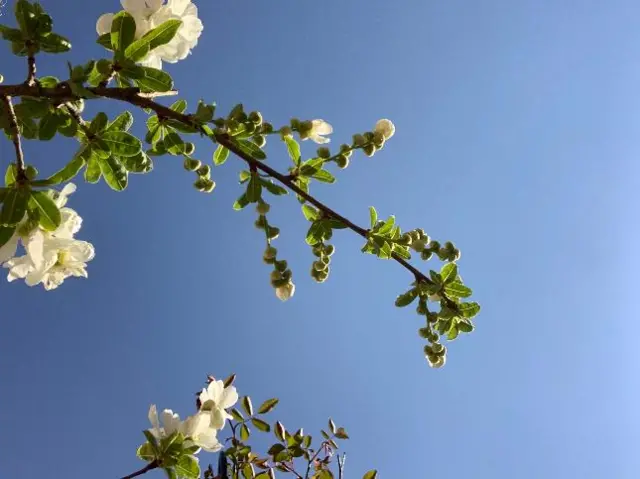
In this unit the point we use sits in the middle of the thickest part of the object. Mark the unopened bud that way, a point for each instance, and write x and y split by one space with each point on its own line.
31 172
317 250
263 208
369 150
204 171
255 117
204 185
358 140
342 161
270 252
319 266
426 255
189 148
285 131
346 150
378 139
424 332
191 164
329 249
275 275
432 318
260 140
295 123
418 246
273 232
267 128
324 152
281 265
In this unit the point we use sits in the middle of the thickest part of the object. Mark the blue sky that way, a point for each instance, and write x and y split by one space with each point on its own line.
518 127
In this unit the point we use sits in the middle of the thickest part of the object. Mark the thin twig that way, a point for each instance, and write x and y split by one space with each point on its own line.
15 136
31 65
341 465
133 96
152 465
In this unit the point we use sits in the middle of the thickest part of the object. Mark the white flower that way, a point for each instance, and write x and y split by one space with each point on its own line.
385 127
196 428
149 14
285 292
215 399
319 128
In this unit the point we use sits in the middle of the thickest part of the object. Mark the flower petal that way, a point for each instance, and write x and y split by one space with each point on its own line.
35 247
8 250
103 25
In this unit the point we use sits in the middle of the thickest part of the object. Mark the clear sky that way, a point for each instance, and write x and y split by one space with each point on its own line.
518 136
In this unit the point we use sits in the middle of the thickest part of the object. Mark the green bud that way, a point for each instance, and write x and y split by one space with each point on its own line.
406 239
378 139
263 208
273 232
319 266
342 161
324 152
204 171
432 318
369 150
433 336
438 348
281 265
232 125
317 250
305 127
421 233
329 249
204 185
455 256
368 136
433 246
267 128
279 282
346 150
268 260
270 252
428 351
295 123
219 122
426 255
260 140
325 260
438 363
260 222
250 128
287 274
422 308
255 117
285 131
275 275
31 172
191 164
418 246
358 140
424 332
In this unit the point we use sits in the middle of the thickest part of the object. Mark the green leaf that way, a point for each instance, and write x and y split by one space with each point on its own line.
247 471
100 148
155 80
260 424
373 216
122 122
254 189
247 405
341 433
123 32
449 273
114 173
137 50
453 331
48 211
237 415
407 298
220 155
161 35
105 41
146 452
188 467
14 206
48 126
293 148
324 176
372 474
268 405
174 144
469 310
244 432
93 173
6 233
65 174
272 188
387 226
241 202
54 43
122 143
309 212
457 290
140 163
179 106
402 251
11 174
251 149
465 326
99 123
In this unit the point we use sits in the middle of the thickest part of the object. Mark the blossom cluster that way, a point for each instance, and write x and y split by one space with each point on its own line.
201 429
51 256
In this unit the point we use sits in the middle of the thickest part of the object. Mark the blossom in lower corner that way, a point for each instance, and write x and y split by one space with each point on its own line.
385 127
215 399
285 292
149 14
317 132
196 429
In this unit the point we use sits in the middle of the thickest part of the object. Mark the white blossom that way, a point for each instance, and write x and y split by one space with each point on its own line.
215 399
385 127
149 14
197 428
285 292
318 132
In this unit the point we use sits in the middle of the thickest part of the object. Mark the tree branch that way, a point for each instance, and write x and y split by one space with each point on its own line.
133 96
152 465
15 134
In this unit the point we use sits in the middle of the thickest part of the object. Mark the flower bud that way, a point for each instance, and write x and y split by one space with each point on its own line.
386 128
204 171
317 250
437 362
432 318
324 152
378 139
191 164
346 150
275 275
232 124
369 150
267 260
287 274
295 123
189 148
319 266
329 249
260 140
263 208
358 140
304 127
255 117
422 308
424 332
426 255
281 265
368 136
433 246
270 252
342 161
31 172
418 246
260 222
285 292
267 128
285 131
250 128
273 232
204 185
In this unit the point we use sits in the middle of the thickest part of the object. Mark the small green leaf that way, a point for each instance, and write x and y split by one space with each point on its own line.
11 174
237 415
272 188
14 206
254 189
121 143
54 43
373 216
453 331
188 467
407 298
268 405
251 149
372 474
174 144
387 226
220 155
179 106
247 405
137 50
93 173
260 424
49 213
293 148
449 273
122 122
309 212
341 433
139 163
469 310
155 80
123 31
114 173
244 432
161 35
105 41
465 326
248 472
48 126
99 123
324 176
146 452
241 202
457 290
